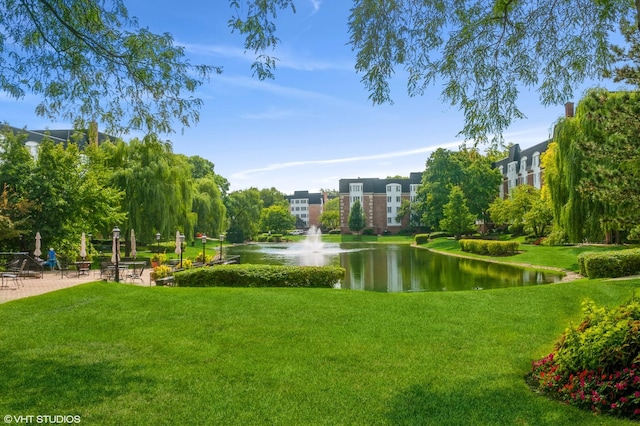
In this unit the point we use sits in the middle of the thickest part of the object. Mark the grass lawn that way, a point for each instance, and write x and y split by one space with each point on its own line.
564 257
118 354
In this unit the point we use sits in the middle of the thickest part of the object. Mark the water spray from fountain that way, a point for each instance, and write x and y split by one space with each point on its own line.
313 242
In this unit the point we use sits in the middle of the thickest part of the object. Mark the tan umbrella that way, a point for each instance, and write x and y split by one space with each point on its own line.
133 244
114 251
178 243
37 252
83 246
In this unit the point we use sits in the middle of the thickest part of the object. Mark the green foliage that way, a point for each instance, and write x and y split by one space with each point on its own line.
421 238
138 80
243 210
527 209
329 219
356 217
591 169
610 264
490 247
595 365
277 219
261 276
209 207
466 169
161 271
457 218
483 52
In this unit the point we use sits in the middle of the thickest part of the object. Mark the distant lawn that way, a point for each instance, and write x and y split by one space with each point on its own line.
118 354
564 257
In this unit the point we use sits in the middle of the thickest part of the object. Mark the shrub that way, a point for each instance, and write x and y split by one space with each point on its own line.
595 365
421 238
368 231
439 234
162 271
261 276
334 232
490 247
609 264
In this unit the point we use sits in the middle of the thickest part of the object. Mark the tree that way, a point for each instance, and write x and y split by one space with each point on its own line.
272 197
357 220
88 61
527 209
72 196
592 169
277 219
330 217
243 211
201 167
482 53
465 168
157 184
208 206
457 218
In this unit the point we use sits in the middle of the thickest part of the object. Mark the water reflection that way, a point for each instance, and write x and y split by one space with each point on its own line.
397 268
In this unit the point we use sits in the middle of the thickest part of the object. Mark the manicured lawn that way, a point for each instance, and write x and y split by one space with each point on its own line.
564 257
118 354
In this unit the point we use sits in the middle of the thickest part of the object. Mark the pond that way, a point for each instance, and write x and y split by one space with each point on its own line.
395 267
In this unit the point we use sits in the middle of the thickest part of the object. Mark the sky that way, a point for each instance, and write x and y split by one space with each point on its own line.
313 124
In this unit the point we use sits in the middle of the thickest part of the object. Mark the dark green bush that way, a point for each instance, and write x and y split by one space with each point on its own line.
367 231
260 276
609 264
490 247
334 232
421 238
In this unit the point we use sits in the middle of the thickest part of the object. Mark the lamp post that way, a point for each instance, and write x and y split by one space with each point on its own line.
204 248
221 238
181 249
116 237
158 241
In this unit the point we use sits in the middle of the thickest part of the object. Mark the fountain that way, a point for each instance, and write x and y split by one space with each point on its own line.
313 242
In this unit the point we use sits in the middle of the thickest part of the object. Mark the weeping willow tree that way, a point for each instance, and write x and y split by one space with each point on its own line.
588 167
157 184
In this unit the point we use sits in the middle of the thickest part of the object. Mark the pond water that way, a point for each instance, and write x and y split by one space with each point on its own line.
394 267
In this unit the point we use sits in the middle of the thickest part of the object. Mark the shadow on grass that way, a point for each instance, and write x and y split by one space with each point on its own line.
431 404
62 385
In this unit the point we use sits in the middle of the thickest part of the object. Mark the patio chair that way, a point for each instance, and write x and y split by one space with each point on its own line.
135 274
16 276
63 267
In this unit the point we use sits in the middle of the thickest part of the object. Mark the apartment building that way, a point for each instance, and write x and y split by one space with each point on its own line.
380 200
306 207
521 167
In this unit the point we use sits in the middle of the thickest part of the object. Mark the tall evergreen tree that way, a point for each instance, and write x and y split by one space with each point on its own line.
357 220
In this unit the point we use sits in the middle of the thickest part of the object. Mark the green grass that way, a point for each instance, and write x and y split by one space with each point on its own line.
119 354
564 257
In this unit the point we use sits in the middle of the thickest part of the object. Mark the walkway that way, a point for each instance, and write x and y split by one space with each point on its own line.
52 281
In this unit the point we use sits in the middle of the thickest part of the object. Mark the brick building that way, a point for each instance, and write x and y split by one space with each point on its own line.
380 200
521 167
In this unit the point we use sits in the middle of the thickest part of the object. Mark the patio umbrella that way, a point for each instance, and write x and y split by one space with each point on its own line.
178 243
114 251
83 246
37 252
133 244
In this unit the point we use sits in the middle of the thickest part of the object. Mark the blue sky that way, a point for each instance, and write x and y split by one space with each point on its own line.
314 123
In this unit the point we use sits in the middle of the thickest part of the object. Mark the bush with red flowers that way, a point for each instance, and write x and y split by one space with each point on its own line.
596 365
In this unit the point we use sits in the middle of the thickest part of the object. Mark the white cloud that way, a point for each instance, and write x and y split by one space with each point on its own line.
316 5
246 174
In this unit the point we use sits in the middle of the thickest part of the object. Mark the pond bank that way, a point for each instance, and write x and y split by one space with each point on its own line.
568 275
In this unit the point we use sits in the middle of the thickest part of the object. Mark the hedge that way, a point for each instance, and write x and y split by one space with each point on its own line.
260 276
421 238
490 247
609 264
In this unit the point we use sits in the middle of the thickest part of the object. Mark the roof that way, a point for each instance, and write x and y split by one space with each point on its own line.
379 186
516 154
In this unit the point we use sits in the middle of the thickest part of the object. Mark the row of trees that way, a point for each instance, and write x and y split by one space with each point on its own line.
141 185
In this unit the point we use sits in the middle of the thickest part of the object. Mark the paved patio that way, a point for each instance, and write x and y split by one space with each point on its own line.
52 281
